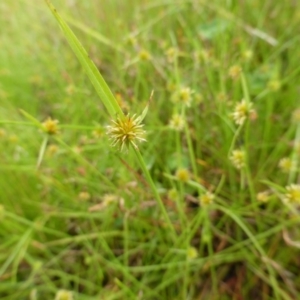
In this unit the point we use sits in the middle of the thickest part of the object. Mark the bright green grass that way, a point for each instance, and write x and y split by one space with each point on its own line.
58 231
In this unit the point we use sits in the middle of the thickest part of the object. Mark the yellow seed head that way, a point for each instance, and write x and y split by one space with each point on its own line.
52 149
274 85
238 158
242 111
184 96
144 55
177 122
173 194
235 72
171 54
247 55
192 253
126 130
292 194
263 196
206 199
286 165
64 295
183 175
108 199
50 126
84 196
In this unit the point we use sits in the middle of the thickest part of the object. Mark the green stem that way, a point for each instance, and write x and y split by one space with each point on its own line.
42 152
190 146
154 190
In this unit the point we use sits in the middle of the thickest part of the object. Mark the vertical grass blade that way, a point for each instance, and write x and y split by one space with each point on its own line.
93 73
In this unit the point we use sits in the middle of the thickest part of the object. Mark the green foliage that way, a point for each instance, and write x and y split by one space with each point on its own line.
207 208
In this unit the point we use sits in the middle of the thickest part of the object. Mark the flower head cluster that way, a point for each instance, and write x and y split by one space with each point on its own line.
144 55
64 295
274 85
126 130
263 197
238 158
286 165
182 175
292 194
50 126
235 72
177 122
191 253
183 96
171 54
206 199
242 111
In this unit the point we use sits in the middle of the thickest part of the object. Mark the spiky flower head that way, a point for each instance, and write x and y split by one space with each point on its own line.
238 158
126 130
242 111
50 126
64 295
206 199
192 253
183 96
171 54
235 72
263 197
286 165
177 122
182 175
274 85
144 55
292 194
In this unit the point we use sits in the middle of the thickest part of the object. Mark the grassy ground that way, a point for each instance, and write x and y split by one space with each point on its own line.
207 208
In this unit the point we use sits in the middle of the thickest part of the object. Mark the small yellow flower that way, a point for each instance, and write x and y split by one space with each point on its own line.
52 149
292 194
177 122
242 111
108 199
173 194
171 54
274 85
84 196
183 175
64 295
192 253
132 40
235 72
206 199
222 97
238 158
247 55
206 55
184 96
198 98
98 132
286 165
144 55
126 130
50 126
263 197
